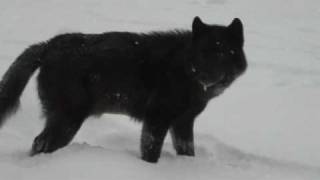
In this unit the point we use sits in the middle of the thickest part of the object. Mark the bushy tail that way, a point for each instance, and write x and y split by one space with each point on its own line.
15 79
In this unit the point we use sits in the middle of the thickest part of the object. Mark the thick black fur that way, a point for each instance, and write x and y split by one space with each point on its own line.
163 79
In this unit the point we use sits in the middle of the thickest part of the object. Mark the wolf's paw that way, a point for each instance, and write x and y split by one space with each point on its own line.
42 144
150 158
185 149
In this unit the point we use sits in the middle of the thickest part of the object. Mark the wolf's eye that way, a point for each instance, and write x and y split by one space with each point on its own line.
232 51
218 43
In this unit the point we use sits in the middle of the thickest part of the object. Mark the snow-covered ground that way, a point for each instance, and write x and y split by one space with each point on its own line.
266 126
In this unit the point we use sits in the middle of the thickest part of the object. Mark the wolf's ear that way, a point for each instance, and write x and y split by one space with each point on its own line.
197 26
236 28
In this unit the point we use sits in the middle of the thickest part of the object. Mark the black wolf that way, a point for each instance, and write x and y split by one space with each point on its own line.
163 79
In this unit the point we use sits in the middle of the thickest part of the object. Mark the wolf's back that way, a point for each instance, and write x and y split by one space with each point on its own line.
16 77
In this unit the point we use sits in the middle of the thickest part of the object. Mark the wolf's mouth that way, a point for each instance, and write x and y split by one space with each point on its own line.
207 85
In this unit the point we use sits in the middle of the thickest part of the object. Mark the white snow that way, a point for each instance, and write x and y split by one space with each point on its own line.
265 126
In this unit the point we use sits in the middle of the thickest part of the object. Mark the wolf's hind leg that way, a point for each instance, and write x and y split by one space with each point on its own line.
58 132
182 138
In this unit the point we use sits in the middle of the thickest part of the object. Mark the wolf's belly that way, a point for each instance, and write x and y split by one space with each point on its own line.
116 103
113 102
127 101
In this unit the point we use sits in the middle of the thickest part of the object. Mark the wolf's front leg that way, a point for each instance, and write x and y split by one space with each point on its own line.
182 137
152 138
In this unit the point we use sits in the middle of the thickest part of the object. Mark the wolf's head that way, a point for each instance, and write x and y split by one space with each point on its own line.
217 53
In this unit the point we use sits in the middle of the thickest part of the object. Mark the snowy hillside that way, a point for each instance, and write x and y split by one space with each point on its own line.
265 127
